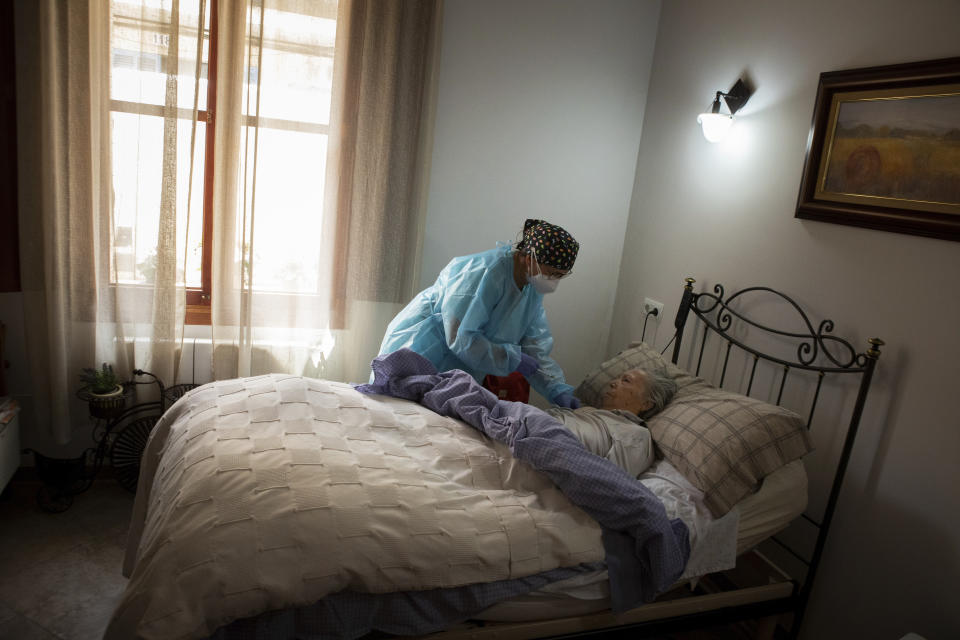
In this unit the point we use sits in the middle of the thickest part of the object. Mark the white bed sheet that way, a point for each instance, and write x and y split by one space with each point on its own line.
782 497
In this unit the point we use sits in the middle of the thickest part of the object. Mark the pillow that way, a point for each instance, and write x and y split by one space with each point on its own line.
723 442
726 443
638 355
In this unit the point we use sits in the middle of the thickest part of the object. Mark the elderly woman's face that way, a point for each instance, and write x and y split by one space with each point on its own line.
630 392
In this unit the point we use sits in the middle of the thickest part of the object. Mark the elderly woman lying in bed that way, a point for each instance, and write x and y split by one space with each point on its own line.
616 430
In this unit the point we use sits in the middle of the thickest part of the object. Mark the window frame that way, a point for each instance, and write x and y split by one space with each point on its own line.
199 300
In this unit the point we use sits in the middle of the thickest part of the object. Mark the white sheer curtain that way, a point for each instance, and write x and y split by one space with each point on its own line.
321 148
270 304
318 146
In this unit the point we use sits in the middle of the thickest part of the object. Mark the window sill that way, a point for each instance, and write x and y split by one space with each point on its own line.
198 314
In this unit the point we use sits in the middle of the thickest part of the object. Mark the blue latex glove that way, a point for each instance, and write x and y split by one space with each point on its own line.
528 365
567 400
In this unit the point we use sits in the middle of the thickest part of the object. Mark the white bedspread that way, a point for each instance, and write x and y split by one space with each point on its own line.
274 491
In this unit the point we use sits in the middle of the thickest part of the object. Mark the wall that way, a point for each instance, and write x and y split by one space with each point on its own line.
724 213
539 110
19 385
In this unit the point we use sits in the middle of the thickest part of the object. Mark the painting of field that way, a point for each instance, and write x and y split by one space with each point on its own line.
906 149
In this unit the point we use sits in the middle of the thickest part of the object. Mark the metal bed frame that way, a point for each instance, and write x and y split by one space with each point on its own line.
716 314
790 594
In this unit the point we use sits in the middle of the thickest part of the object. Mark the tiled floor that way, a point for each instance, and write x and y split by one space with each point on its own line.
60 574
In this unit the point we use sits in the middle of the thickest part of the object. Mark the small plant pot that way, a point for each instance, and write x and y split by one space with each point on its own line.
117 390
106 405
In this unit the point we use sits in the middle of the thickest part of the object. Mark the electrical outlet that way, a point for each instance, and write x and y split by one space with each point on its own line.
652 305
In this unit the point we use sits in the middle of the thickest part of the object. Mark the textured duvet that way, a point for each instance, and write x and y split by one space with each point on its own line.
271 492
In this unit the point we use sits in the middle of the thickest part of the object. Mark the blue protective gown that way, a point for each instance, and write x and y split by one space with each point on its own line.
474 318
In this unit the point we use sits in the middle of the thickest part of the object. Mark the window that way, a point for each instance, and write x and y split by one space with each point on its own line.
164 68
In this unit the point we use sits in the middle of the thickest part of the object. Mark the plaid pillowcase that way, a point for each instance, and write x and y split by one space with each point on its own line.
726 443
723 442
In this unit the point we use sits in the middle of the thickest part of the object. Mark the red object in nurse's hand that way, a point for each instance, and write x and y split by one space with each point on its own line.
513 387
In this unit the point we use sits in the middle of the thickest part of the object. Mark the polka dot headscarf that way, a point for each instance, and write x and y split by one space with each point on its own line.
554 247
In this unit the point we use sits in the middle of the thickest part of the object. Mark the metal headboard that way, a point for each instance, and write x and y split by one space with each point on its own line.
717 316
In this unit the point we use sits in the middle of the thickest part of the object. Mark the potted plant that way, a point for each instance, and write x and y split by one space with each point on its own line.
103 391
101 382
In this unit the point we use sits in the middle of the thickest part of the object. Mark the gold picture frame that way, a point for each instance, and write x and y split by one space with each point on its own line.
884 149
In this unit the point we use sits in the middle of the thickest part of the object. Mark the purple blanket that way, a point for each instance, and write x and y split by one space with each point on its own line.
646 551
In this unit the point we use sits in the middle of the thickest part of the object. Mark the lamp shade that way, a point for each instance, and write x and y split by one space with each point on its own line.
715 125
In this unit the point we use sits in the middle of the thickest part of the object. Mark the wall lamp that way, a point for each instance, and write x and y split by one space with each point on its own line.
716 125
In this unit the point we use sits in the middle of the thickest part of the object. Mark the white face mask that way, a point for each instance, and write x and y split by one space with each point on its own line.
540 282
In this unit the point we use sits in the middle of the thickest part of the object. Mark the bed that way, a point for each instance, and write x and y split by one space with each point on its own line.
283 506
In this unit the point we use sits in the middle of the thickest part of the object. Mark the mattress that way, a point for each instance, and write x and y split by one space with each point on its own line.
782 497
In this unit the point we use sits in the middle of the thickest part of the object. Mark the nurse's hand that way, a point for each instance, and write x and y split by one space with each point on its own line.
567 400
528 365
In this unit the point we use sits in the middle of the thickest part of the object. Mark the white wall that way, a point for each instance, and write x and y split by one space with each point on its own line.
539 110
724 213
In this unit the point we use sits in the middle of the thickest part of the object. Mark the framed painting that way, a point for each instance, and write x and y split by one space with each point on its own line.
884 149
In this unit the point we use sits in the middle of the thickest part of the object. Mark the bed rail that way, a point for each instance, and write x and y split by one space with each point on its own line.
818 351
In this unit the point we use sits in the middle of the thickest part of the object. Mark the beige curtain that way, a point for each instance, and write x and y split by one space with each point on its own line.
382 83
367 161
78 313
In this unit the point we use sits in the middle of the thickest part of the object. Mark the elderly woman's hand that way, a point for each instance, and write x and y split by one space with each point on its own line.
567 400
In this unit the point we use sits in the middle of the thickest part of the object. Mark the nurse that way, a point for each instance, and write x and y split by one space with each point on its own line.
484 314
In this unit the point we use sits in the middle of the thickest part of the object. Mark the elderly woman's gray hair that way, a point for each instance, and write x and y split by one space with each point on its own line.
661 390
